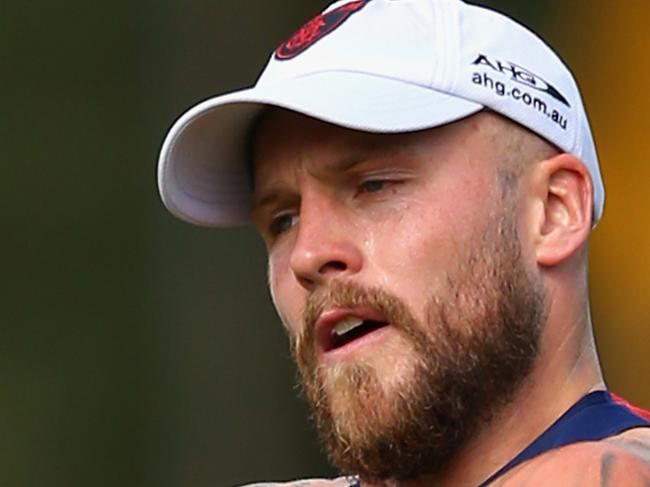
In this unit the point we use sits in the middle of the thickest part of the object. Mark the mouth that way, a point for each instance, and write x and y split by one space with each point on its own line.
337 329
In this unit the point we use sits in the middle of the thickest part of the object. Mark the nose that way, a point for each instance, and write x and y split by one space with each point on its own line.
325 247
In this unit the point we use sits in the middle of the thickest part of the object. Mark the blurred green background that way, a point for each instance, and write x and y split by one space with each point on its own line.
140 351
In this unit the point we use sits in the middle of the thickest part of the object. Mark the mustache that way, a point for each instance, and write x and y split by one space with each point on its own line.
345 294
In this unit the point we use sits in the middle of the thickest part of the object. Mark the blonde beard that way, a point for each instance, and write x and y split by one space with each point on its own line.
363 393
407 407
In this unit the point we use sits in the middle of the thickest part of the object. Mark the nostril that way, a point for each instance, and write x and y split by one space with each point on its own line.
306 283
335 265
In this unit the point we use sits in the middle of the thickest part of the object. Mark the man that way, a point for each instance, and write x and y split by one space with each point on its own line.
425 180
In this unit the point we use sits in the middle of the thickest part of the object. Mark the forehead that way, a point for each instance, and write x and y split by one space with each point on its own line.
281 138
279 130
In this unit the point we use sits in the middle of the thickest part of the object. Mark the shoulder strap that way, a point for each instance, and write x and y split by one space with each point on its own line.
594 417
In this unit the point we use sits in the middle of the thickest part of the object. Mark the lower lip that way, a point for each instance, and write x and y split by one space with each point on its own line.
374 338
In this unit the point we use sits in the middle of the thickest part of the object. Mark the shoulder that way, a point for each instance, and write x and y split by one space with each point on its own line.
622 460
338 482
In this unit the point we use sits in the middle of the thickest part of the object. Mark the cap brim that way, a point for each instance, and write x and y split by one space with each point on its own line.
203 175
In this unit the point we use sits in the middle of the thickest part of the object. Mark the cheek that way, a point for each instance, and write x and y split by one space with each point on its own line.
284 293
413 251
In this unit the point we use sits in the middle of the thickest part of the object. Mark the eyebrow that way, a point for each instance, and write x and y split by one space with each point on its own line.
269 195
258 203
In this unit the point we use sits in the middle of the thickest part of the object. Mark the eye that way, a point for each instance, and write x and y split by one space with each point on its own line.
283 222
373 185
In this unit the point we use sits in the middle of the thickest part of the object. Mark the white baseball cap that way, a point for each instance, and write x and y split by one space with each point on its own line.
381 66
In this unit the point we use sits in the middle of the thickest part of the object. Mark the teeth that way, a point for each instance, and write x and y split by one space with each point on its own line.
345 325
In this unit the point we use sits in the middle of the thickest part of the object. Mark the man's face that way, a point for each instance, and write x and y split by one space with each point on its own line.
395 266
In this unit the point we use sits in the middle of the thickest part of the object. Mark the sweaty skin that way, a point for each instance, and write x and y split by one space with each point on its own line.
396 212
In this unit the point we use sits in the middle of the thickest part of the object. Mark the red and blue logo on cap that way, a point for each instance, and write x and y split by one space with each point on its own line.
316 29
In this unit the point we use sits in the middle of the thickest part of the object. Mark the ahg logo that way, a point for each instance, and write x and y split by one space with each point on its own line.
521 75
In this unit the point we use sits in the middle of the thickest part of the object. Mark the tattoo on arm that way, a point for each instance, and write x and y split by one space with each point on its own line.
606 469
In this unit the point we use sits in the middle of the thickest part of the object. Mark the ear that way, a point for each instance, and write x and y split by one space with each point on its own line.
565 191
